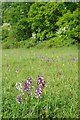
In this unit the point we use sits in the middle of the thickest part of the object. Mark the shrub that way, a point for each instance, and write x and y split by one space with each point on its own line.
7 44
60 41
41 44
31 42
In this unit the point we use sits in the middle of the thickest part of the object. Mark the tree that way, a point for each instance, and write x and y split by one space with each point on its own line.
70 22
43 16
16 14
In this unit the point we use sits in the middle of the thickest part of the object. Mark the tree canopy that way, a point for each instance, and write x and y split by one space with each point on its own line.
48 20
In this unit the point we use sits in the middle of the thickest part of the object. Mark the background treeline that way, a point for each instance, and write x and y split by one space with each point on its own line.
40 24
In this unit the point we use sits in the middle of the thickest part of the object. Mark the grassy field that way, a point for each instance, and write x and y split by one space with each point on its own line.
58 66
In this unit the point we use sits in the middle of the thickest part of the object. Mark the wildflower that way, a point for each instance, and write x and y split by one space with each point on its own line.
41 81
29 80
18 86
38 92
48 60
7 65
17 70
74 58
26 87
41 84
18 99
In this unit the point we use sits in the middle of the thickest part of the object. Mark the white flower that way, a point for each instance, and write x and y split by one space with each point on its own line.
18 86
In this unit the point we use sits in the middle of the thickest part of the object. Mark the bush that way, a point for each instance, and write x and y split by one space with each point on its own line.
31 42
12 43
7 44
60 41
41 44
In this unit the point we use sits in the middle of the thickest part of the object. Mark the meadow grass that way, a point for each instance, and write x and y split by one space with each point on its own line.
58 66
0 80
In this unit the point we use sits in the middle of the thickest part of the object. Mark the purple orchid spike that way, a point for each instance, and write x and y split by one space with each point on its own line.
29 80
38 92
26 87
41 81
41 84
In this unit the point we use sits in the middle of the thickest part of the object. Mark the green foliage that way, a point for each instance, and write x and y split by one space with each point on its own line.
16 15
15 11
43 18
41 44
69 24
46 19
23 30
31 42
10 44
60 41
5 30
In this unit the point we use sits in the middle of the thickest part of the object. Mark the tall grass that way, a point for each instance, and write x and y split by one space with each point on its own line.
58 66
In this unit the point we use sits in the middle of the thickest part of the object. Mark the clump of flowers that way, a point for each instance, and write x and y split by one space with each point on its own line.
26 88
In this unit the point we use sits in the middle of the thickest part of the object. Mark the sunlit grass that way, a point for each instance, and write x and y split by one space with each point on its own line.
58 66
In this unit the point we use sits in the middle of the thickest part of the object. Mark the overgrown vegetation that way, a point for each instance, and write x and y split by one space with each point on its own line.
55 24
60 71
